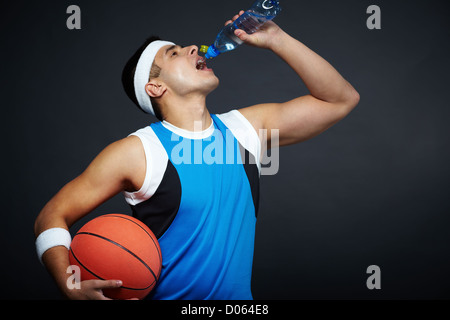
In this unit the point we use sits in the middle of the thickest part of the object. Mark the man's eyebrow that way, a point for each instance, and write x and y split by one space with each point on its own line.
171 48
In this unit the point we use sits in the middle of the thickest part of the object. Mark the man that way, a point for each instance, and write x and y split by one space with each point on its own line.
203 212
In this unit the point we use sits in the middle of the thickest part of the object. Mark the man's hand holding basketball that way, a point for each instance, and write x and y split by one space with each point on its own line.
92 289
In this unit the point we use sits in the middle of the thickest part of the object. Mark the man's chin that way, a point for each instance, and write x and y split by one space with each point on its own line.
210 86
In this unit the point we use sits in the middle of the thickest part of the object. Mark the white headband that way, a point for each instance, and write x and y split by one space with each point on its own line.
142 74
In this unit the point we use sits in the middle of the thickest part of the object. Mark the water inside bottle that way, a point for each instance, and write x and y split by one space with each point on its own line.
250 21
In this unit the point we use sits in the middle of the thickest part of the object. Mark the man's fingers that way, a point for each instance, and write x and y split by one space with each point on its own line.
241 34
111 284
235 17
106 284
238 15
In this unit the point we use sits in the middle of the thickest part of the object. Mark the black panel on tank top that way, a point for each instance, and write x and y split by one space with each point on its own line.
251 169
160 210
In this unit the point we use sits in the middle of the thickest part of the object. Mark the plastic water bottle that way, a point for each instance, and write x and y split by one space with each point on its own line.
250 21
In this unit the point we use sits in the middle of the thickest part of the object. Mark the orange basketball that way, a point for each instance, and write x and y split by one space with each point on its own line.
118 247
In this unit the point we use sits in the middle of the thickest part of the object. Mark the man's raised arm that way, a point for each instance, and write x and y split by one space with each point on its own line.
331 97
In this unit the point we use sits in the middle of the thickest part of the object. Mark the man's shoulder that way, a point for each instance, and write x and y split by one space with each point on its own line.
128 149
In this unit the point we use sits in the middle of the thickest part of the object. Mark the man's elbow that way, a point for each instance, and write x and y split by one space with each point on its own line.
354 99
351 100
346 104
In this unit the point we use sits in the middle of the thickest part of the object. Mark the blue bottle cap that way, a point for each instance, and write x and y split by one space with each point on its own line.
212 52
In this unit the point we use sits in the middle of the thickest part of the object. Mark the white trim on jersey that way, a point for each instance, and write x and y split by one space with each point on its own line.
244 132
190 134
156 163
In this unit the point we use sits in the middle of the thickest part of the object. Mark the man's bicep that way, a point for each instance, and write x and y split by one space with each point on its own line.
295 121
119 167
106 176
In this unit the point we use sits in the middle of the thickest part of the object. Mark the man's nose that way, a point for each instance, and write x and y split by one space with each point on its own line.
192 50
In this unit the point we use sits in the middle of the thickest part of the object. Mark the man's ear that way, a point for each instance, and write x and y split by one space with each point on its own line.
155 89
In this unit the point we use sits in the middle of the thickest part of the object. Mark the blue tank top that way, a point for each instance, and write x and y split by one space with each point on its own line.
203 213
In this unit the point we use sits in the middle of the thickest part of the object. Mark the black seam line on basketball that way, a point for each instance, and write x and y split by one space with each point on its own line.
100 278
122 247
156 246
87 269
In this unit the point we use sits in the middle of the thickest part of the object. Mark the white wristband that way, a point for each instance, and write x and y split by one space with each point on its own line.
52 238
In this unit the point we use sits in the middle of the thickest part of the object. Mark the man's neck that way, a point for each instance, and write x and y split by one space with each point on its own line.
190 113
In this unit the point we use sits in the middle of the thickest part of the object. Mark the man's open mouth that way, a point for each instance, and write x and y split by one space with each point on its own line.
201 64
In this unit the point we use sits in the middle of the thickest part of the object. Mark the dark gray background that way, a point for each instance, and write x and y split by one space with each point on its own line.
371 190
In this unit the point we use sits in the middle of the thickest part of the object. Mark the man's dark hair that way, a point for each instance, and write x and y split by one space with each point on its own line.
128 76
